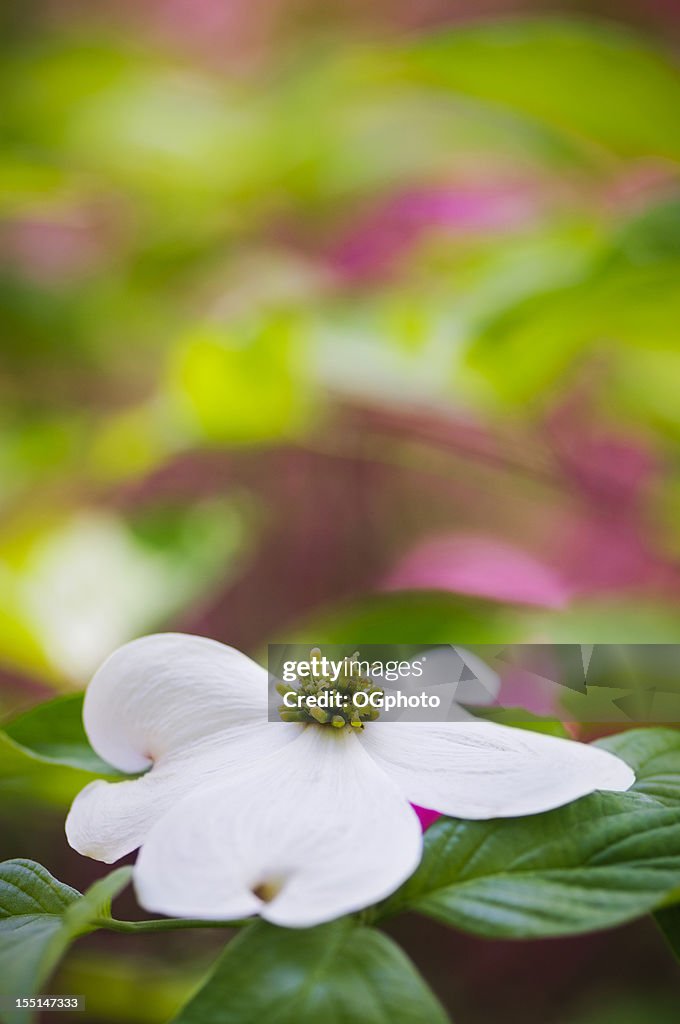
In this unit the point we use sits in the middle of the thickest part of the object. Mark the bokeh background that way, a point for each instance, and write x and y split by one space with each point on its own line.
338 322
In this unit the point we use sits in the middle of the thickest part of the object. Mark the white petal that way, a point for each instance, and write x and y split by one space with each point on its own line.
107 820
484 770
318 824
163 692
192 708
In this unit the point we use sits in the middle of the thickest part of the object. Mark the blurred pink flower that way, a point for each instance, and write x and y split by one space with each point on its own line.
376 241
482 566
53 250
234 33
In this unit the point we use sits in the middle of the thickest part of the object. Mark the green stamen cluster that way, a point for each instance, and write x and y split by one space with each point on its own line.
324 700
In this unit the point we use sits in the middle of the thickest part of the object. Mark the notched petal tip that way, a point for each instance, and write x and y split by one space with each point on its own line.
269 888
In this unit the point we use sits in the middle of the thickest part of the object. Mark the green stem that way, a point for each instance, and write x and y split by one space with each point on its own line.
164 924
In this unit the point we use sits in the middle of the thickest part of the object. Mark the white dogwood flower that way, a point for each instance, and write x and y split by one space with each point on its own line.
299 821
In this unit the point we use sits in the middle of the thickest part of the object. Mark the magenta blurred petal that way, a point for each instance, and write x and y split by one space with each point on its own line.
426 816
479 566
388 231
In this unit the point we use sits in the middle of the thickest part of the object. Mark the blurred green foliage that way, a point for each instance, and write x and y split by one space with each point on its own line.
203 256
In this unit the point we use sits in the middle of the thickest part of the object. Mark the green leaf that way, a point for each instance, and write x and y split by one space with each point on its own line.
608 622
54 732
603 860
336 974
45 755
25 776
32 937
524 350
415 617
654 754
598 83
39 918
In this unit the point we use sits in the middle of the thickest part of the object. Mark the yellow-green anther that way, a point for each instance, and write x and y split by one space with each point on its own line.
340 692
288 715
319 715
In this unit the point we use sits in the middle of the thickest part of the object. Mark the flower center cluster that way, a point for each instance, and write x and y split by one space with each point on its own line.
335 695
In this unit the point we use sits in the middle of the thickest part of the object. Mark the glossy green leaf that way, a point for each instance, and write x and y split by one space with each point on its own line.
45 755
654 754
39 918
25 776
54 732
598 83
338 973
593 864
